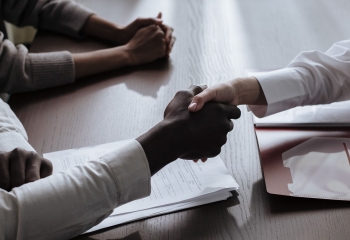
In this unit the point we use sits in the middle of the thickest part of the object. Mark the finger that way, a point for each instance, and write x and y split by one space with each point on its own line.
199 100
143 22
46 168
160 34
170 45
168 34
33 168
196 89
231 126
196 160
5 182
159 15
17 167
204 159
172 42
232 112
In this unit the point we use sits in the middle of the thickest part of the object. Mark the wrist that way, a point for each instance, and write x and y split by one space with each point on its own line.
248 91
103 29
118 35
160 146
130 58
124 57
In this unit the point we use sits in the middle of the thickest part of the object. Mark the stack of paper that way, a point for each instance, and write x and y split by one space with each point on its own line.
179 185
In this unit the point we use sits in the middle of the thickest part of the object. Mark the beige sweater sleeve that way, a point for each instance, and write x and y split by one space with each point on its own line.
21 71
66 17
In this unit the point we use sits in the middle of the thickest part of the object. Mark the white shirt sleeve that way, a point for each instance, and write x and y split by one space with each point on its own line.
311 78
67 204
12 132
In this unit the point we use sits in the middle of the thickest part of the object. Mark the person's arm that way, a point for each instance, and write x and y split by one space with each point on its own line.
120 35
66 17
147 45
311 78
21 71
73 19
67 204
64 205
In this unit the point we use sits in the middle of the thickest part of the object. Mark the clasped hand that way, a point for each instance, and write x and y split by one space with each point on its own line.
19 166
148 39
202 133
188 135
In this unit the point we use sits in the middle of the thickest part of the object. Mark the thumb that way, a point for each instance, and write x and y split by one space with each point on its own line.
199 100
159 15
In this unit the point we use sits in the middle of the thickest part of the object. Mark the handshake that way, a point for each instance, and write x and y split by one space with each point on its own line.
181 134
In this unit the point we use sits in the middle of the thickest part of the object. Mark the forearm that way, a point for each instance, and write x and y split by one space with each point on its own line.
66 17
159 146
91 63
57 207
248 91
311 78
103 29
21 71
67 204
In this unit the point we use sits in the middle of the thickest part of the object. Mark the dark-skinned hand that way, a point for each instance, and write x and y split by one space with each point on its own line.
19 166
188 135
203 134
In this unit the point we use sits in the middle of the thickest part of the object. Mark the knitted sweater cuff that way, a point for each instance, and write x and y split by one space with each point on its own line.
51 69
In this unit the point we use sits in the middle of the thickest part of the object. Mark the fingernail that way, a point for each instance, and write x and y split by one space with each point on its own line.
193 106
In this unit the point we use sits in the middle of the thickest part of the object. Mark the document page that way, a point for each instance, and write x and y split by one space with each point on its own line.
182 180
178 181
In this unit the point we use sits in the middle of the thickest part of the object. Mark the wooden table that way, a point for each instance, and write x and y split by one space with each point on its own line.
216 41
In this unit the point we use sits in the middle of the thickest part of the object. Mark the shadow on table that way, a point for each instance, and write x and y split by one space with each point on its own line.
149 78
145 79
281 204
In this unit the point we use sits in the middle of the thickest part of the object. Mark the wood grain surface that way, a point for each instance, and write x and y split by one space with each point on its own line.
216 41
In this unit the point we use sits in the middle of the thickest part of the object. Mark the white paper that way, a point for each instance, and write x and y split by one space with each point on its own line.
320 168
180 184
119 219
182 180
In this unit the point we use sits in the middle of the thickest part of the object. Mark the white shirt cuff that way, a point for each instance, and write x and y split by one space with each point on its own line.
12 140
283 90
131 172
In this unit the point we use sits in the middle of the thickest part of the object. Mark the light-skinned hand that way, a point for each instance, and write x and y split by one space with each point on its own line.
147 45
129 31
235 92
